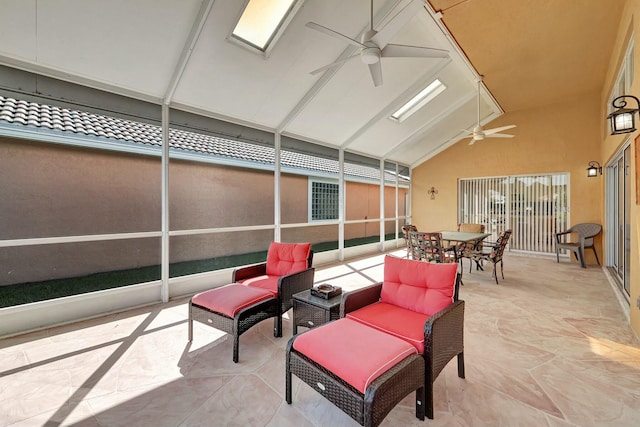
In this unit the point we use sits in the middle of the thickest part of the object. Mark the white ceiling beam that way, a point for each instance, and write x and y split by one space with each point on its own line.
420 132
397 103
189 46
328 74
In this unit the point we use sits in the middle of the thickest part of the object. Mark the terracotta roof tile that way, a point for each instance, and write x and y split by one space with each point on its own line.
24 113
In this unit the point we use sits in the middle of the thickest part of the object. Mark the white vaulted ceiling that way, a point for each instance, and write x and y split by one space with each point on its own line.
142 49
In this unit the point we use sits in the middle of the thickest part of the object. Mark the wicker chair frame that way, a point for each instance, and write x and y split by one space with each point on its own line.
235 326
370 408
273 307
443 335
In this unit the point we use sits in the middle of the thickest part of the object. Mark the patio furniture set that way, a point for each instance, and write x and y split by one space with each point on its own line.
365 350
368 349
468 242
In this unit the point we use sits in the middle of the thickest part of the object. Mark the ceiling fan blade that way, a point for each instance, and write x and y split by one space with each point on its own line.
406 51
384 34
376 73
334 64
335 34
498 135
496 130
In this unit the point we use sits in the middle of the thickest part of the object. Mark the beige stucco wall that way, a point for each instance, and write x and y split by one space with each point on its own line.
554 138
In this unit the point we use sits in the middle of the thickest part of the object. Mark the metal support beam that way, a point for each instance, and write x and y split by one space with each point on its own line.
164 263
277 235
382 227
341 204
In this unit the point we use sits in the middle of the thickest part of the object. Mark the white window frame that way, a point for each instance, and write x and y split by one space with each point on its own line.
624 80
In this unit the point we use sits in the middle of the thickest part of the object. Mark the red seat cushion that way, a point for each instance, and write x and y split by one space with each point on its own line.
269 283
402 323
230 299
418 286
287 258
352 351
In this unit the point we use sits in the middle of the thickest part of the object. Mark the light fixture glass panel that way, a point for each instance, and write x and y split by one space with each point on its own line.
592 171
623 121
260 20
420 100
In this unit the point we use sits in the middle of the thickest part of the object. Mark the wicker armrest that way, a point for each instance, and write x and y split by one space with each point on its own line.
444 336
359 298
248 272
294 283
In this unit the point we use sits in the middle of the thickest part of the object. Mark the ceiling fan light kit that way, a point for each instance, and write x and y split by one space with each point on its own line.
374 44
478 133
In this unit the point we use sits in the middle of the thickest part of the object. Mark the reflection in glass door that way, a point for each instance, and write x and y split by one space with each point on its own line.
618 218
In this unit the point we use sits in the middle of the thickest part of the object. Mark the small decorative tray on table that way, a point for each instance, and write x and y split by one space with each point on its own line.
326 291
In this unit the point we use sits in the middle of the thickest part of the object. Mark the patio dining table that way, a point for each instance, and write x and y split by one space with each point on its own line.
454 238
463 236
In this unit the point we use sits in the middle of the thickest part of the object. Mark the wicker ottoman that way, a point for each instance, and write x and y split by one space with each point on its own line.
361 370
233 309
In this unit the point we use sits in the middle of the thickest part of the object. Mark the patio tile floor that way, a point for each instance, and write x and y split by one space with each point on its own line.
549 346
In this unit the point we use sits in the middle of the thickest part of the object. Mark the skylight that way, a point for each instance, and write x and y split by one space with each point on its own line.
263 21
420 100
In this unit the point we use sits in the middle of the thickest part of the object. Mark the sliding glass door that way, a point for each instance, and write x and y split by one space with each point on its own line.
533 206
618 217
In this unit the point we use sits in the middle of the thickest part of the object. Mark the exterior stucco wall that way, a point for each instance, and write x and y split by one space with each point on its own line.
53 190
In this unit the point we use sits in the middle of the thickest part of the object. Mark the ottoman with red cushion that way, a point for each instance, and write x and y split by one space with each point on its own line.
233 309
363 371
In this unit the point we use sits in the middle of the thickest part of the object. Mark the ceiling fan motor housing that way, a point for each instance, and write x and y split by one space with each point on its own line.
370 55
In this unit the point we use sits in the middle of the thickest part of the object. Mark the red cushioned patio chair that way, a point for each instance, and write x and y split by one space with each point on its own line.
417 302
259 292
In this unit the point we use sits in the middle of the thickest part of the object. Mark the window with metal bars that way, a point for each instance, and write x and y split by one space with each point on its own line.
324 201
535 207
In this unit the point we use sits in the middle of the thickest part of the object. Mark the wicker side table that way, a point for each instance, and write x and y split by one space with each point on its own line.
311 311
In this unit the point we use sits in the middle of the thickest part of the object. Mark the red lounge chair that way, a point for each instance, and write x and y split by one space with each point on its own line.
417 304
259 292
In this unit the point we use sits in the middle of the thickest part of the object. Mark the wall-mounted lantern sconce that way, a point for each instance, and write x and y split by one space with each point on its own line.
623 119
593 169
433 191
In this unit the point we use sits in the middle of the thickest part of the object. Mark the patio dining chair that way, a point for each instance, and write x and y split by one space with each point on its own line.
405 233
490 252
425 246
465 248
471 228
585 233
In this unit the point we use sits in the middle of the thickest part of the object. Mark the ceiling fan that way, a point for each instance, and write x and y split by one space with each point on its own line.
478 133
374 44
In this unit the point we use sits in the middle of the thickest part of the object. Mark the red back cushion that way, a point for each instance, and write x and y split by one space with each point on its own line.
418 286
287 258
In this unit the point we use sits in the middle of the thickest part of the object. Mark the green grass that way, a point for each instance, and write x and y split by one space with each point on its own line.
24 293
